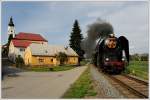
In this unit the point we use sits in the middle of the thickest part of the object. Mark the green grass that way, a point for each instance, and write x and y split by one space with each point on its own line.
54 69
83 62
82 87
138 68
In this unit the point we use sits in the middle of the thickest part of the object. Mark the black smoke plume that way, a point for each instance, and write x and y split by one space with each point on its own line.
96 30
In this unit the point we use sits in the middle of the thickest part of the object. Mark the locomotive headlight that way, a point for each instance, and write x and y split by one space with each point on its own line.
107 59
123 59
106 41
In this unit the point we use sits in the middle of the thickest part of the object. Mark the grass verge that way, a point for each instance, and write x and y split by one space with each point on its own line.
82 87
138 68
83 62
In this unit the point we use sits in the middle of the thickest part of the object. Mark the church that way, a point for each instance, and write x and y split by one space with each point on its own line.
21 41
32 47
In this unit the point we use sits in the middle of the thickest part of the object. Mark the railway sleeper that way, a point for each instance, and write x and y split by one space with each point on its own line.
130 88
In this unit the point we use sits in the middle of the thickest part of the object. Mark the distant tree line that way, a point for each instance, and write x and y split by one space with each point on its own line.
139 57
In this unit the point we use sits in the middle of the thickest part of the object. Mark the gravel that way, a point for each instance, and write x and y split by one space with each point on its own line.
106 90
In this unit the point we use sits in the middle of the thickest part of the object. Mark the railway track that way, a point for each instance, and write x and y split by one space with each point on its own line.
130 86
134 85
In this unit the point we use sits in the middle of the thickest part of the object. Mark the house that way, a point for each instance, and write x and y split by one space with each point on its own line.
42 54
21 41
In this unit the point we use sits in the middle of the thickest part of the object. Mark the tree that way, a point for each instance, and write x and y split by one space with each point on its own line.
19 61
144 58
75 40
8 43
4 50
135 57
62 57
9 39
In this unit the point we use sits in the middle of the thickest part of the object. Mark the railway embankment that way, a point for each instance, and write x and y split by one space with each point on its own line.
118 86
104 88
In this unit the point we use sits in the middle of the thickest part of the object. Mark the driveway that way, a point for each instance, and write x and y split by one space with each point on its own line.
37 85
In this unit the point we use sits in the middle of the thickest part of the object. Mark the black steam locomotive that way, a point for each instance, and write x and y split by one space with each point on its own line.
109 54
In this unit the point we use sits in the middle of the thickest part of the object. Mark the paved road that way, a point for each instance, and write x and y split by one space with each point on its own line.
39 84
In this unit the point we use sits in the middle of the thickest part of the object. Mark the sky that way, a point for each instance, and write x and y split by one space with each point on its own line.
54 19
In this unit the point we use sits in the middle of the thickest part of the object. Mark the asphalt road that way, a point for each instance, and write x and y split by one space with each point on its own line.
39 85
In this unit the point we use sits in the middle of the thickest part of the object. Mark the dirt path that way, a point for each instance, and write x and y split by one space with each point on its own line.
39 84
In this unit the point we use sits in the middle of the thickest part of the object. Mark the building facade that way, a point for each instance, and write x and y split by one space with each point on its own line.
21 41
41 54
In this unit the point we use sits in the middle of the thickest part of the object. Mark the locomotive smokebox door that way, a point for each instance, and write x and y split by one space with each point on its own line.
111 42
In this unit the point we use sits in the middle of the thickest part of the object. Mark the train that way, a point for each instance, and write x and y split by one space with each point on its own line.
112 54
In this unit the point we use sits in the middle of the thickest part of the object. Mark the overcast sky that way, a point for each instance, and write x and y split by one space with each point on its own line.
54 20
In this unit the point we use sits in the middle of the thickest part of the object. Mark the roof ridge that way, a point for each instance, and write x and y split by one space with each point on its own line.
30 36
30 33
52 50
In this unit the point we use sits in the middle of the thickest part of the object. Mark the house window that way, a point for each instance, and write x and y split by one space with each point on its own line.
52 60
22 49
41 60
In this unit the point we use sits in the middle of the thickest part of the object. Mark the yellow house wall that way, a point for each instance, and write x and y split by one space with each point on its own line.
72 60
34 60
29 59
46 60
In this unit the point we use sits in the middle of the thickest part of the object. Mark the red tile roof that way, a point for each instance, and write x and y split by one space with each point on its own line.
20 43
29 36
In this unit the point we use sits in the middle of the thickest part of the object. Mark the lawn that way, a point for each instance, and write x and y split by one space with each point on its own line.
138 68
54 69
82 87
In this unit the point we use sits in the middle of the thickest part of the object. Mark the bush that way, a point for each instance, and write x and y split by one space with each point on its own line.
19 61
62 57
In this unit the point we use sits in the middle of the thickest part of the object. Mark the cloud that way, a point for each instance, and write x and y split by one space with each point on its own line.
54 20
130 20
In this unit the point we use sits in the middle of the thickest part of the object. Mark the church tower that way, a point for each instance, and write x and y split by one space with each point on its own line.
11 28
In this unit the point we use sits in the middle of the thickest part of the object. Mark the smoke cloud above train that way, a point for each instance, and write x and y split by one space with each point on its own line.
99 29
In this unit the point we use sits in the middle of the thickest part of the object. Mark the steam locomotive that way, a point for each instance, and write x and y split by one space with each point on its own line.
109 54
